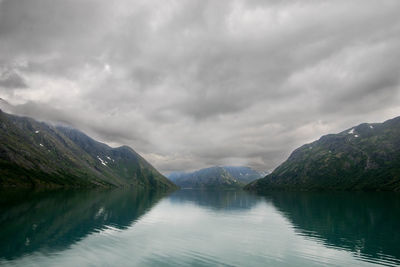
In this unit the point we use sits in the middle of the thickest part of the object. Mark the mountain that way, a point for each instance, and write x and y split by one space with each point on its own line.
34 153
365 157
215 177
244 174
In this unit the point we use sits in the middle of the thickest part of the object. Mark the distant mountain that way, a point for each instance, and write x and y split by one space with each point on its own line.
34 153
215 177
365 157
244 174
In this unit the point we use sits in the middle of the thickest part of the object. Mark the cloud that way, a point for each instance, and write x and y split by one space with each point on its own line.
190 84
10 79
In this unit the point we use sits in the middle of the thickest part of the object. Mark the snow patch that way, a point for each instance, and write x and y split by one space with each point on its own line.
351 131
102 161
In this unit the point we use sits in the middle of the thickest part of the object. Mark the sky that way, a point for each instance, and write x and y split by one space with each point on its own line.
190 84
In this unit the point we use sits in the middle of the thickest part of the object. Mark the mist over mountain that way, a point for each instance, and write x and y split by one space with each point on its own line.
37 154
252 79
215 177
234 100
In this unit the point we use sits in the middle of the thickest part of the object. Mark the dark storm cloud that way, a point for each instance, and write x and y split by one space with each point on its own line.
196 83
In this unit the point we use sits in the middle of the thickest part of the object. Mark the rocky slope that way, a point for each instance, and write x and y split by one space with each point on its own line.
365 157
36 154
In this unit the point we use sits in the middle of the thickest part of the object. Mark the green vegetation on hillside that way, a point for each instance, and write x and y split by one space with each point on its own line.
365 157
35 154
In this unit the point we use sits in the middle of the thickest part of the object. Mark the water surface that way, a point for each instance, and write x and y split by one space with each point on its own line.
198 228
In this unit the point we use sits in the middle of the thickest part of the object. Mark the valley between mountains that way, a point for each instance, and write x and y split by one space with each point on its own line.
37 154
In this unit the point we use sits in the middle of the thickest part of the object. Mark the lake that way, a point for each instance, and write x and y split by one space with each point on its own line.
198 228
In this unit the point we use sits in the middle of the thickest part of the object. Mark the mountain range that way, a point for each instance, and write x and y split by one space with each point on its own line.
364 157
215 177
36 154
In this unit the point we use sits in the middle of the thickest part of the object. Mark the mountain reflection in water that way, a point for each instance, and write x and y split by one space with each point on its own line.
365 223
198 228
53 220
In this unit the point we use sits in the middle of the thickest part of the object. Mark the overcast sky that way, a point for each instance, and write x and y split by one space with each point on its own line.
196 83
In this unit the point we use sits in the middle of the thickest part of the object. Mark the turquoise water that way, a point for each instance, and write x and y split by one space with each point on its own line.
199 228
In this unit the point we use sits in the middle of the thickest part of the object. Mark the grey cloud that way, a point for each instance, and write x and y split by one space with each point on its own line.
10 79
114 135
197 83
